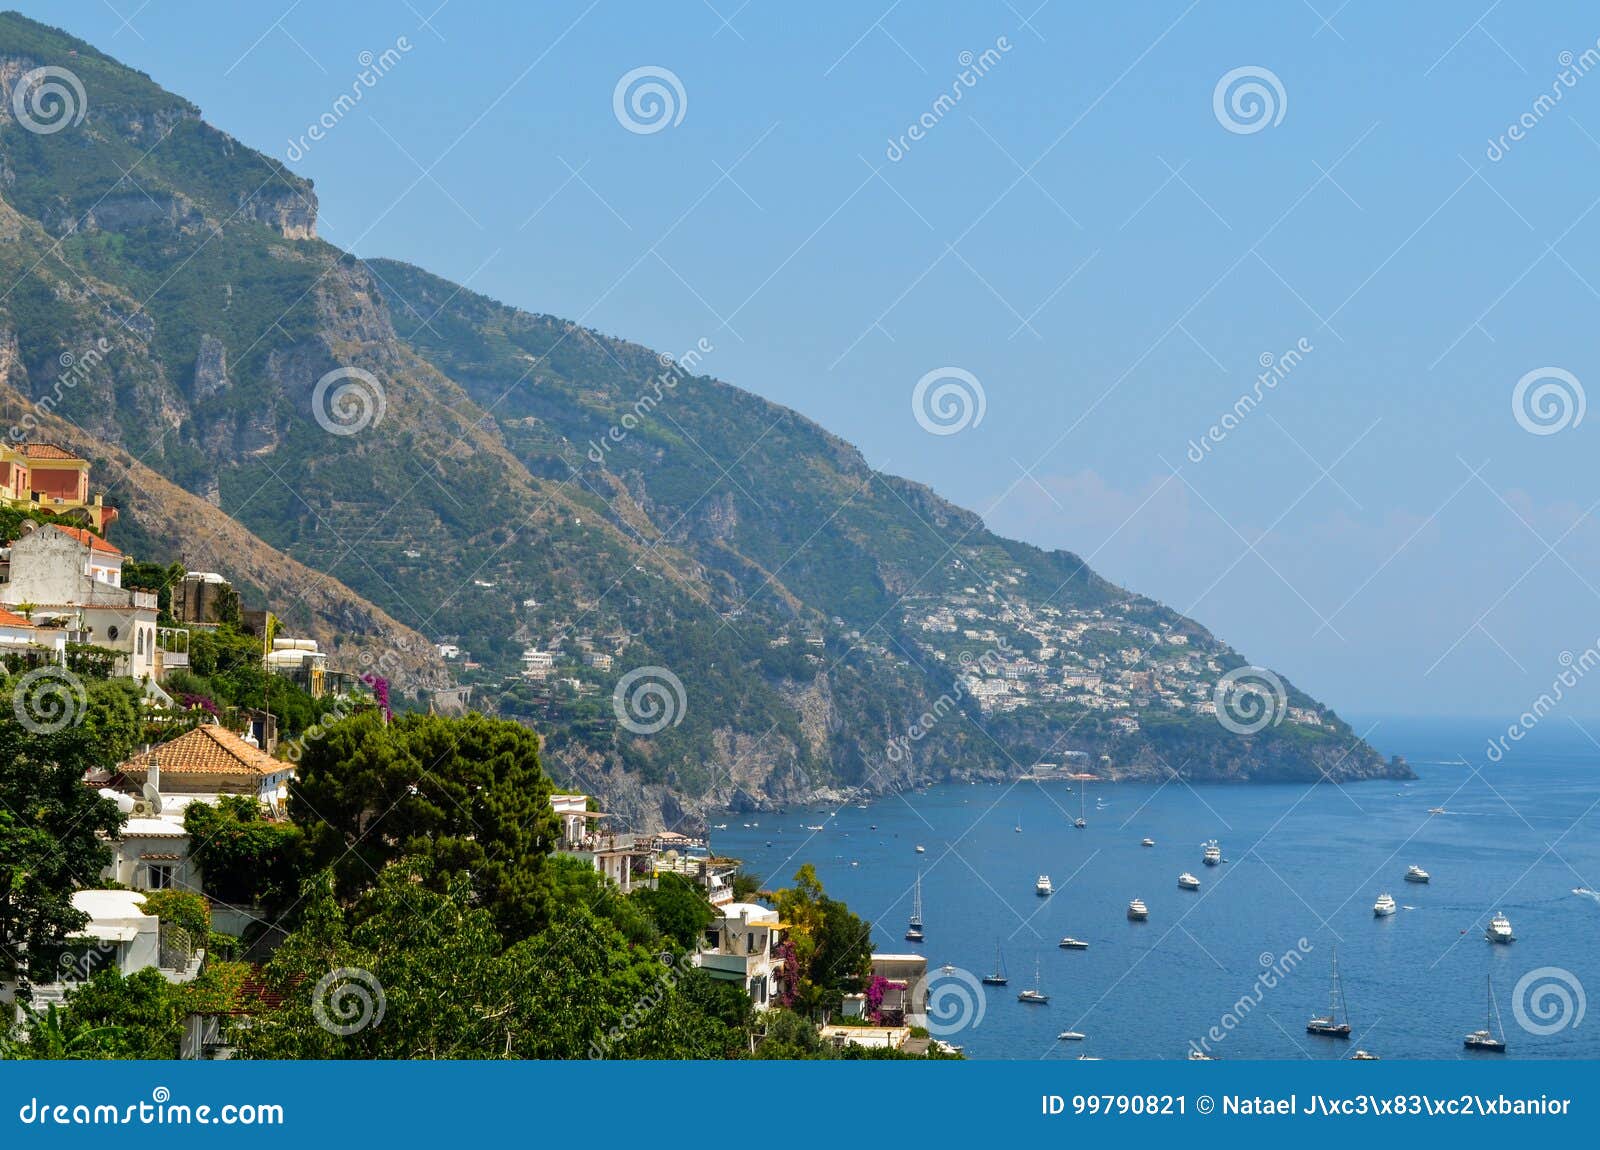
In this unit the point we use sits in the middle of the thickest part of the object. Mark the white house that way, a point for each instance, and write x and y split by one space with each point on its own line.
73 578
742 945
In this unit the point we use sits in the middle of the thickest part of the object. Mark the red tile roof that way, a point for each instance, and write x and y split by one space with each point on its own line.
84 535
10 619
48 451
208 750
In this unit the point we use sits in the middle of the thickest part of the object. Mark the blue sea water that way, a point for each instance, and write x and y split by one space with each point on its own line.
1303 862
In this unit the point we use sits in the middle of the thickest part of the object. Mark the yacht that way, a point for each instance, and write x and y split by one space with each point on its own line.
1336 1023
1082 821
1198 1055
1187 881
1137 911
1417 874
1364 1056
1485 1039
1070 943
1384 907
1071 1036
1500 929
1042 888
998 978
921 850
1213 854
1034 995
1147 842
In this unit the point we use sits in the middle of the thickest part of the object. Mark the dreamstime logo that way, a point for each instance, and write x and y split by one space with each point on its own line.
48 99
347 1000
356 403
990 662
48 700
649 699
673 370
953 1001
1548 1000
1548 400
75 369
1275 369
649 99
948 400
974 67
374 67
1250 699
1573 670
648 1005
1249 99
1274 970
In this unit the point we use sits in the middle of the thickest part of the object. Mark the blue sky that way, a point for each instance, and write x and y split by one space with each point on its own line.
1084 233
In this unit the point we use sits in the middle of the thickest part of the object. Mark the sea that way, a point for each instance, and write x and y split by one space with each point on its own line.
1236 969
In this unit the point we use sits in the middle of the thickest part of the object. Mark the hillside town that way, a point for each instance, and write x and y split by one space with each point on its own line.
75 609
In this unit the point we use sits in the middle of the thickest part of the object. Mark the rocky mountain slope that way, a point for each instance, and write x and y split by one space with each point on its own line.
568 511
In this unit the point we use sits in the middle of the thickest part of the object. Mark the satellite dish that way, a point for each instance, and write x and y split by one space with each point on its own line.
153 797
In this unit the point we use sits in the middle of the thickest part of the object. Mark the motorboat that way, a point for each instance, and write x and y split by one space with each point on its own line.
1071 1036
1500 929
1070 943
1417 874
1147 842
1385 905
1042 888
1137 911
1187 881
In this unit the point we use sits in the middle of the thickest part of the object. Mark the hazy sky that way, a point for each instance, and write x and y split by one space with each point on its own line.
1095 231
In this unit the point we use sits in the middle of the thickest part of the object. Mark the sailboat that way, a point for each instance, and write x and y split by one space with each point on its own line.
1034 995
1083 806
1485 1039
1336 1023
998 978
914 929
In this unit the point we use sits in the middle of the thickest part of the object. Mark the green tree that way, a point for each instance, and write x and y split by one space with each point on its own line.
467 793
244 857
679 909
52 827
833 948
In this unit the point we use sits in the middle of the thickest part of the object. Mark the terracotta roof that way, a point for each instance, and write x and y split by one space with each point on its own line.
84 535
48 451
208 750
11 619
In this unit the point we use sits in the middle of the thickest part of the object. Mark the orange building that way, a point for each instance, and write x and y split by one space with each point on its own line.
52 479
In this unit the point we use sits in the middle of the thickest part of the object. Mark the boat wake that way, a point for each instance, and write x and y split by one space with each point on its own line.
1586 893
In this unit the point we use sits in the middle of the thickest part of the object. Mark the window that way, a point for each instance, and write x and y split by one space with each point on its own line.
158 876
141 640
112 631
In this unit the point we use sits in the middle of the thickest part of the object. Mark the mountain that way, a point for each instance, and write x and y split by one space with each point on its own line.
780 618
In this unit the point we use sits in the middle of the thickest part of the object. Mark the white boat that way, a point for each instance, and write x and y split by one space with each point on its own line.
1364 1056
1137 911
1198 1055
1187 881
1071 1036
1500 929
1042 888
921 850
1417 874
1213 854
1070 943
1384 907
1147 842
1034 995
1082 821
1437 811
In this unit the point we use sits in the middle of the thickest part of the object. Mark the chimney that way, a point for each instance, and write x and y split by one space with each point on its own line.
153 777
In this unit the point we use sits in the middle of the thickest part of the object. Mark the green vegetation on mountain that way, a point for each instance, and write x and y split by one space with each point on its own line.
523 482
